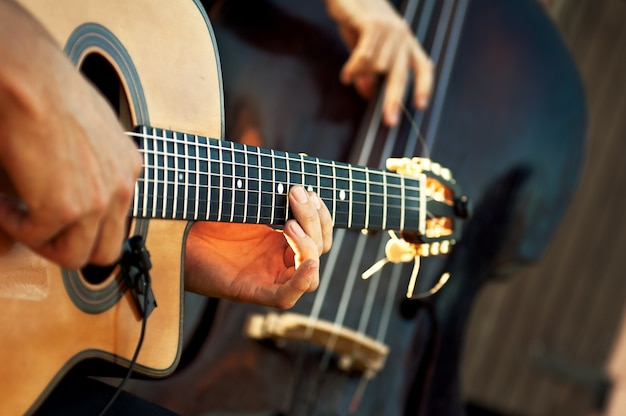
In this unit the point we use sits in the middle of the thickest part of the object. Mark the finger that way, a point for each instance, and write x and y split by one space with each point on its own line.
6 242
305 212
387 48
360 60
304 247
113 230
304 280
16 223
365 85
326 223
395 87
108 243
292 284
72 247
424 77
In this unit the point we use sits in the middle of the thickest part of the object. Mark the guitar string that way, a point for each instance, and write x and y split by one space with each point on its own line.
197 188
384 323
367 214
455 22
367 172
410 148
372 133
155 180
288 157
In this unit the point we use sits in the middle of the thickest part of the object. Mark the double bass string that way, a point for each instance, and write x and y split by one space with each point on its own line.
391 141
447 23
457 17
414 142
374 127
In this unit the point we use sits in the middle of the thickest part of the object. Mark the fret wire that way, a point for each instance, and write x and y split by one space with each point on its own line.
145 186
367 199
287 186
356 203
234 192
347 167
302 172
350 198
221 179
384 175
136 196
389 186
416 189
196 210
402 202
259 202
318 176
421 197
422 207
273 160
165 195
136 200
209 187
309 159
409 199
185 180
176 170
334 178
245 183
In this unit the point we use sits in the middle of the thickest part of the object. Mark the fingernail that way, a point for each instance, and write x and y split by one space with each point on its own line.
300 194
422 103
297 229
392 118
317 201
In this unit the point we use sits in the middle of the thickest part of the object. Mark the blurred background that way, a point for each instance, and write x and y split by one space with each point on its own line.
552 340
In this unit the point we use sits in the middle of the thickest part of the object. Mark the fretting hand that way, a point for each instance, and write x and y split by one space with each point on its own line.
254 263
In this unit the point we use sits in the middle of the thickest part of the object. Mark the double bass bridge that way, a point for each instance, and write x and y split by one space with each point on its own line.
355 351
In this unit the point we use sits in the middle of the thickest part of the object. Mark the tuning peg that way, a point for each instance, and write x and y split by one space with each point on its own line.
397 250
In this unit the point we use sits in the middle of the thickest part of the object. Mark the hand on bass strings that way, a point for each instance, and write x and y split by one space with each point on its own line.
67 170
382 44
255 263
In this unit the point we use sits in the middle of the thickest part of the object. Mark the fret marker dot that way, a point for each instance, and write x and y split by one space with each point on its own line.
239 183
181 176
342 195
280 188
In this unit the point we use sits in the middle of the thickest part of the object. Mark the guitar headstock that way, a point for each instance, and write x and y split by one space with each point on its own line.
445 205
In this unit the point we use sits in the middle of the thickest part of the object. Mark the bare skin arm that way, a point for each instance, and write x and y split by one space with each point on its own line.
68 170
67 173
254 263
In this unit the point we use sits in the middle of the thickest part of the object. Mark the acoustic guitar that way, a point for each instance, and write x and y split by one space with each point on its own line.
157 62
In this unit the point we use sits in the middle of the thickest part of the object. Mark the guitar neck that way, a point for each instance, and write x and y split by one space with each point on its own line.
196 178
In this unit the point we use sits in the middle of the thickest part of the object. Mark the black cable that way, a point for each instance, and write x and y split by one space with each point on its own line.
135 355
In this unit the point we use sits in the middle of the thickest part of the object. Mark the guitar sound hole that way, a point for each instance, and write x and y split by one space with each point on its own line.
96 274
98 69
102 74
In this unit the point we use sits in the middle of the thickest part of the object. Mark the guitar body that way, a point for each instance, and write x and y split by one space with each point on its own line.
52 318
512 129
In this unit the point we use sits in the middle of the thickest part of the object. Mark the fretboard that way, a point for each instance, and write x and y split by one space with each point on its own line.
196 178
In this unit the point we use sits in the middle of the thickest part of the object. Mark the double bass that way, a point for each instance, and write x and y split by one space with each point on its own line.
508 117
